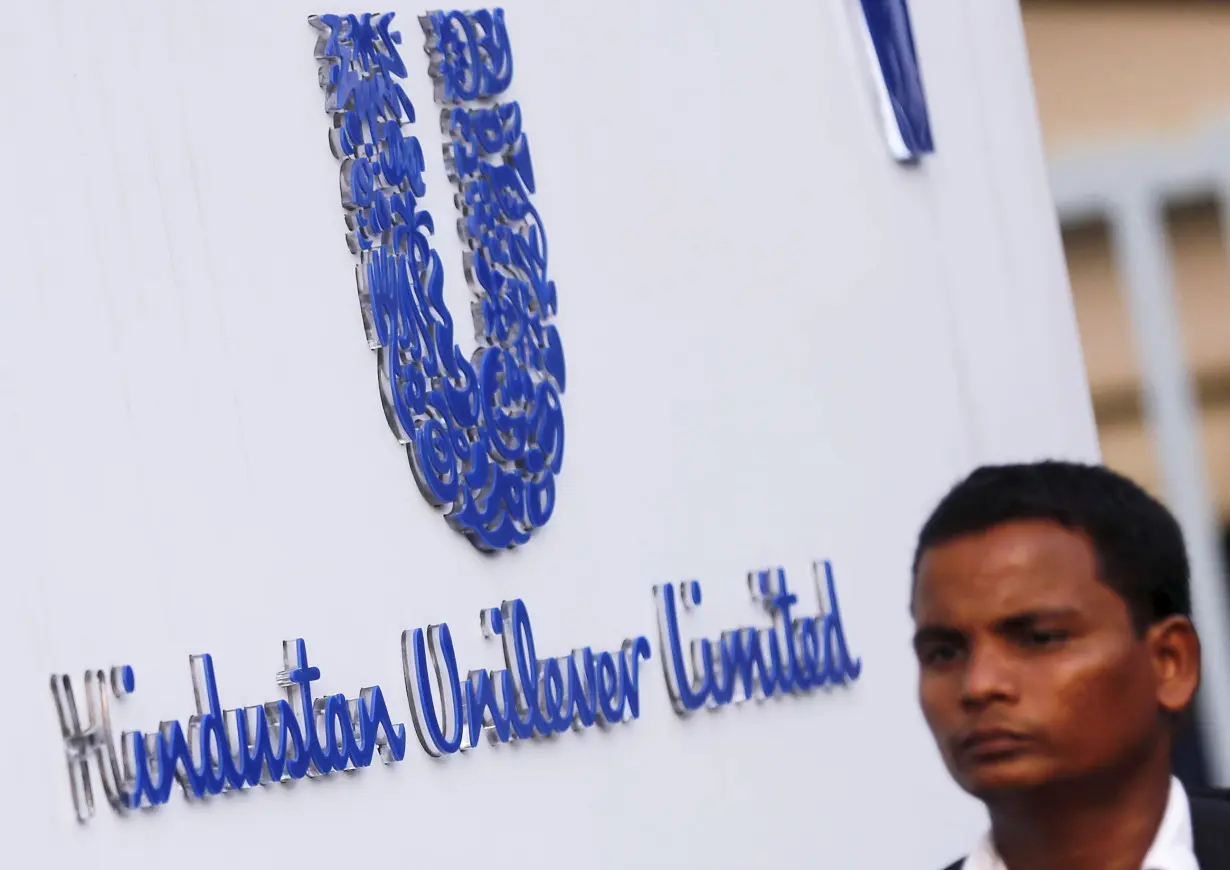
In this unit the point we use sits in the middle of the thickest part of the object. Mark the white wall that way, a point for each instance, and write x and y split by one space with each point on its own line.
781 346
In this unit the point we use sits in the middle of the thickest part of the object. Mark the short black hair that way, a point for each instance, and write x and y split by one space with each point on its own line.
1139 545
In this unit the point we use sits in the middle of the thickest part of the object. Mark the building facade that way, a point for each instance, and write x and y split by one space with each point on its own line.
1113 78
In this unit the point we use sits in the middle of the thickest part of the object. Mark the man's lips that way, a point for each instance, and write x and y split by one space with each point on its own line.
991 743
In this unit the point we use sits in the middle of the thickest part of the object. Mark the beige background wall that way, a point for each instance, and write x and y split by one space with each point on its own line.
1108 70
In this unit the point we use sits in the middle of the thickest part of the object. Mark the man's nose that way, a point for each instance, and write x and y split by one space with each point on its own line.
990 675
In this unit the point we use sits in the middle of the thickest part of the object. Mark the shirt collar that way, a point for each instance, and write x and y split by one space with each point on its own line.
1172 847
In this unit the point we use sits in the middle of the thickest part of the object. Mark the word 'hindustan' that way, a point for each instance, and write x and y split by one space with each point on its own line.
221 750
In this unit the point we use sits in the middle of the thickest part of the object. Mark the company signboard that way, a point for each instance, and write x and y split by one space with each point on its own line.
800 270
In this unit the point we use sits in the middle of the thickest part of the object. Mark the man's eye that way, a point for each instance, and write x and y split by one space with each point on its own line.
938 655
1045 638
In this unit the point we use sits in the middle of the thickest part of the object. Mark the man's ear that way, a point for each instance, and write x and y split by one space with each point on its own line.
1174 647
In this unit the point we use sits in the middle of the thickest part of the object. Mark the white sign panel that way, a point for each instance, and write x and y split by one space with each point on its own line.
298 306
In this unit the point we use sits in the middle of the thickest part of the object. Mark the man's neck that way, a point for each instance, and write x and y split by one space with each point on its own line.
1104 825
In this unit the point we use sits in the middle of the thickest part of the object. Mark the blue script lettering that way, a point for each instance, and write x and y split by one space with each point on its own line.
797 654
529 697
219 750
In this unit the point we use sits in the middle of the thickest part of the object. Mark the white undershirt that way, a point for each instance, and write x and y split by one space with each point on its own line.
1172 848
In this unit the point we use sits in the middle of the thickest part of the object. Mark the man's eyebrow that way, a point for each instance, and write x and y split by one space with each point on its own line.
1029 618
1025 619
937 634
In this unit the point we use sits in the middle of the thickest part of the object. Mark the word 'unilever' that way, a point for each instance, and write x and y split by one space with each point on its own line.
526 698
484 434
797 654
221 749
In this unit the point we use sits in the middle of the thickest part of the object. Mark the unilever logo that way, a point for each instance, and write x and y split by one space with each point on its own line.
484 434
485 439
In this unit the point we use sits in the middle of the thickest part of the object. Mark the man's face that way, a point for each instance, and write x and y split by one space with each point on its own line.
1030 670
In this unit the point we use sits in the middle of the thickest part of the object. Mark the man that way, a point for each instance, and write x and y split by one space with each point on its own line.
1057 661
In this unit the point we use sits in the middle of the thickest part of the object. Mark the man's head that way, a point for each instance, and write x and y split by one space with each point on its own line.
1052 614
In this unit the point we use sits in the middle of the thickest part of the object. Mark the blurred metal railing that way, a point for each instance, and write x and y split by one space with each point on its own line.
1129 187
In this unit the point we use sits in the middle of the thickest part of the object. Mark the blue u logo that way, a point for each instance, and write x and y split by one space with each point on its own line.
484 435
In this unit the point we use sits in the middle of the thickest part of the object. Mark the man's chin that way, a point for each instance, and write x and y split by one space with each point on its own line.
1011 776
